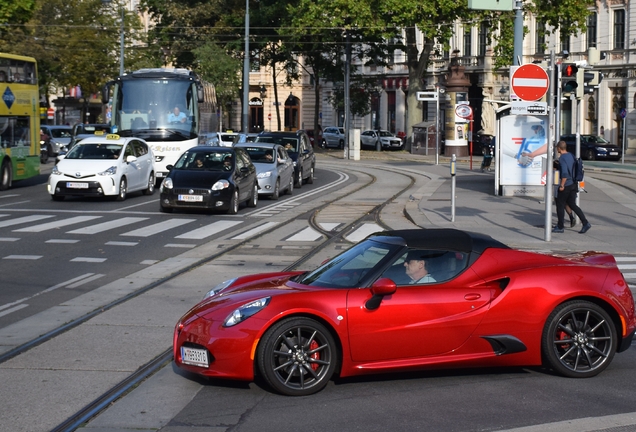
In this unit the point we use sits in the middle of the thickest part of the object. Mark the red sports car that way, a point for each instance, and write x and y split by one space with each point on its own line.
411 299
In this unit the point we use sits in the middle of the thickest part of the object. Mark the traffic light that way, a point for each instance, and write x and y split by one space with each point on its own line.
594 82
568 78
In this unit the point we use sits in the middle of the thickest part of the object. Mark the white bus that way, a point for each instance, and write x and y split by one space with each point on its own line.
169 108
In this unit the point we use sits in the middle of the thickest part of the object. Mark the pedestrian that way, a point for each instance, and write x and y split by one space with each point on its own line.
568 188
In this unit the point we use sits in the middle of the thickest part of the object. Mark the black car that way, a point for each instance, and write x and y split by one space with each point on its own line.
593 147
299 148
213 178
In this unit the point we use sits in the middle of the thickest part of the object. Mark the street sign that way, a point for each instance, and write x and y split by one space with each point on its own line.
269 116
528 108
427 96
50 114
529 82
463 111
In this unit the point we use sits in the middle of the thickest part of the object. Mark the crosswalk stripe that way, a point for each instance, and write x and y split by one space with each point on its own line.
254 231
158 227
13 309
363 231
88 259
627 266
625 259
209 230
105 226
23 257
25 219
57 224
308 234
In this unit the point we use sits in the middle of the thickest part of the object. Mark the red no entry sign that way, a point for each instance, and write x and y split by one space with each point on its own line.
529 82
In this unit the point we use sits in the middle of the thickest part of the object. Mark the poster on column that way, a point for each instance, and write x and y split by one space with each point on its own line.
523 147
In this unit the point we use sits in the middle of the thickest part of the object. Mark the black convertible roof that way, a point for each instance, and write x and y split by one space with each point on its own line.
442 239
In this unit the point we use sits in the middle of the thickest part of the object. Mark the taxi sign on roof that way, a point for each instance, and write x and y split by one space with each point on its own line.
111 136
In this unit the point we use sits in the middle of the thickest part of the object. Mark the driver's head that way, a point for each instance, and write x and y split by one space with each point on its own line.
176 110
415 265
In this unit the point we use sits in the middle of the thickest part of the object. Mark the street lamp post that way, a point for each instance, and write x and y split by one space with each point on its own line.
246 66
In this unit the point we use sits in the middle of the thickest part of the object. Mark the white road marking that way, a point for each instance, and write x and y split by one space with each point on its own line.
88 259
57 224
23 257
158 227
25 219
208 230
308 234
105 226
254 231
363 231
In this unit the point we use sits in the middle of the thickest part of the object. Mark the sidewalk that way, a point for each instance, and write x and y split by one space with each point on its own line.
519 221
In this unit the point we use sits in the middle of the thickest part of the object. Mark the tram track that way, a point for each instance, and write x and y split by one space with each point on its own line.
118 391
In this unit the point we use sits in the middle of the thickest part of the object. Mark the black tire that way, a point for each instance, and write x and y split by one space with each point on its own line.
165 209
310 179
151 185
6 175
276 193
290 186
341 144
579 339
298 183
234 203
57 198
590 154
123 189
253 201
44 156
297 356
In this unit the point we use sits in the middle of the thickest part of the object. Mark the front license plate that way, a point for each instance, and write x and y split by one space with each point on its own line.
194 356
191 198
73 185
613 153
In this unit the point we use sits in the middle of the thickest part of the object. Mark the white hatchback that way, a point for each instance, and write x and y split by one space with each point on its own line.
105 165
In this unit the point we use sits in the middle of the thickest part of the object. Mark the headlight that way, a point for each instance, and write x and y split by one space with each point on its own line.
221 184
601 149
263 175
56 171
110 171
166 184
220 287
245 311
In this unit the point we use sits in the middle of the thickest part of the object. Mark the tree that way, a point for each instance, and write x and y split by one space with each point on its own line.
215 65
14 12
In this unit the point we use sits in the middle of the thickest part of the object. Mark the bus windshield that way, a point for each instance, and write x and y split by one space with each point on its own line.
146 104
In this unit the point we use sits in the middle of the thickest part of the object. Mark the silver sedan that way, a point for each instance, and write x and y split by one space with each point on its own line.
274 168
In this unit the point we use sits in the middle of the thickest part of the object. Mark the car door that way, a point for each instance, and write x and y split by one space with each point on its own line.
144 161
133 168
285 167
245 174
415 321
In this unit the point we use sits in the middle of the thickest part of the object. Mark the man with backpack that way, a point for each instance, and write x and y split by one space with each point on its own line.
568 188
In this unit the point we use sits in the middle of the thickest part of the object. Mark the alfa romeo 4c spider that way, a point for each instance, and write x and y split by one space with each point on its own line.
410 300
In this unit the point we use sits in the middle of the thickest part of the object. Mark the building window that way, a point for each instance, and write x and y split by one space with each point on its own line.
591 30
483 39
619 29
565 42
539 38
468 39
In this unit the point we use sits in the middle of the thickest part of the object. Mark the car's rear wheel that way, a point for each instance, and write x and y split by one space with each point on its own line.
590 154
57 197
123 189
276 194
310 179
234 203
579 339
253 201
151 185
297 356
165 209
341 144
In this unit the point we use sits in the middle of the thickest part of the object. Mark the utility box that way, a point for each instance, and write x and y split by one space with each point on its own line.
425 139
354 145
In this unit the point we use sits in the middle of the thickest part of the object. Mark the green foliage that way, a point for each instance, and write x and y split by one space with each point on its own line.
15 12
216 66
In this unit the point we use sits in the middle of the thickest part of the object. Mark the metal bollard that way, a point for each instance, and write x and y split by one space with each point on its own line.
452 173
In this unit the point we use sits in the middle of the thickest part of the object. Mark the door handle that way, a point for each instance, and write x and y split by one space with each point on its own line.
473 296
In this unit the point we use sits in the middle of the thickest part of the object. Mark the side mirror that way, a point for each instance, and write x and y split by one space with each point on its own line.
106 91
130 158
169 167
380 288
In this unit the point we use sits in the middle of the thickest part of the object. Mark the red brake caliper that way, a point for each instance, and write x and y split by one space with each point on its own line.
312 346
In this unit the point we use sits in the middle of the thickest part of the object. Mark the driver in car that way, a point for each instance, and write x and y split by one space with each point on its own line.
176 116
415 266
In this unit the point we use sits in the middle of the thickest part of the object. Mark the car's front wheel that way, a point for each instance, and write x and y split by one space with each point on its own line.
234 203
5 175
590 154
276 194
579 339
299 179
310 179
290 186
297 356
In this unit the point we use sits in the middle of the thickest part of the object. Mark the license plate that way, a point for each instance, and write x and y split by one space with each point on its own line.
613 153
191 198
73 185
194 356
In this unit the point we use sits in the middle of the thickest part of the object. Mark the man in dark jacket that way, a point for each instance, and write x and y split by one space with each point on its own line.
568 188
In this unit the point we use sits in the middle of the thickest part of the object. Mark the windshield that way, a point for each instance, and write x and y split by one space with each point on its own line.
60 133
594 139
205 161
385 134
350 269
95 151
143 104
260 154
290 143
